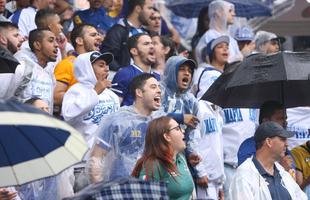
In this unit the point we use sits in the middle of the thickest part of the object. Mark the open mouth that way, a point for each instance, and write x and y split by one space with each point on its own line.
225 54
55 52
185 80
97 44
157 99
152 53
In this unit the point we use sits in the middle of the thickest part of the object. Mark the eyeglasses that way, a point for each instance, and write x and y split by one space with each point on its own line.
178 128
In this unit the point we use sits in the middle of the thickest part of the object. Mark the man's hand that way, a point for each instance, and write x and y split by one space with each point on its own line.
6 194
61 41
286 162
194 159
202 182
191 120
102 85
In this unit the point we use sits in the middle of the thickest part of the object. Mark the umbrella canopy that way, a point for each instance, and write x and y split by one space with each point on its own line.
244 8
124 188
34 145
282 77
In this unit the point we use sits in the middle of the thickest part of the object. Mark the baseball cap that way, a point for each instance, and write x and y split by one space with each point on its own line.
191 63
212 44
107 57
263 36
270 129
244 33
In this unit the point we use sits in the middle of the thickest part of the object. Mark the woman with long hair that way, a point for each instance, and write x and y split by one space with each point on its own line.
163 160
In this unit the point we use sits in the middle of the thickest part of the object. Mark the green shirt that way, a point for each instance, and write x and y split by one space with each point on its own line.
180 187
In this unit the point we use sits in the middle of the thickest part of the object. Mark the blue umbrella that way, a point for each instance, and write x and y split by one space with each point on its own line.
244 8
34 145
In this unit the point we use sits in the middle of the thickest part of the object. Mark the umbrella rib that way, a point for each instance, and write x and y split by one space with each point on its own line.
35 148
55 138
10 163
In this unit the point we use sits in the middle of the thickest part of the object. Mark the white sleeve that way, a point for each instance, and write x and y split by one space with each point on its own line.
239 189
77 102
26 22
205 81
23 26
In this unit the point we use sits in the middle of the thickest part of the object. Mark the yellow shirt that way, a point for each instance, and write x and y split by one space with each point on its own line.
301 155
64 71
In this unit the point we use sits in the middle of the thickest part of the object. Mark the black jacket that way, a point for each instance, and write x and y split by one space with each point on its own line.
116 43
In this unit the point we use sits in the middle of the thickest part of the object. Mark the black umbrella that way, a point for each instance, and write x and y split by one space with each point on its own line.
282 77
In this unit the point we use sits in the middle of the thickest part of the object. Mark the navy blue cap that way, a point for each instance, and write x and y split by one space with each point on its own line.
271 129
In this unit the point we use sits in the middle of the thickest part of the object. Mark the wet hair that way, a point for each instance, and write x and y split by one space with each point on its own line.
42 17
138 83
7 25
78 31
133 41
157 150
36 35
268 108
132 5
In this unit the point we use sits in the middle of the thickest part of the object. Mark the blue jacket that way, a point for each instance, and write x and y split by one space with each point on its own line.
97 18
173 100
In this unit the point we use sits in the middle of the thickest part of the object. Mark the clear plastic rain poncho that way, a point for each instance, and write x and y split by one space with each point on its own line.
261 38
218 13
172 100
122 136
33 80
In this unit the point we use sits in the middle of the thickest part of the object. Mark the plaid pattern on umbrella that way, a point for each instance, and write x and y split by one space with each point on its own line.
124 188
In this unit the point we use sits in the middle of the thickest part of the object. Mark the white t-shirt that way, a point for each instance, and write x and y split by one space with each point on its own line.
26 21
239 124
204 78
298 121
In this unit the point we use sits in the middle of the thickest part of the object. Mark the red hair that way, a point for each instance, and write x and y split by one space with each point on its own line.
156 149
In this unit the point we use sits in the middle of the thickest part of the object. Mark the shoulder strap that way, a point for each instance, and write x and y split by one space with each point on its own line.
205 70
128 27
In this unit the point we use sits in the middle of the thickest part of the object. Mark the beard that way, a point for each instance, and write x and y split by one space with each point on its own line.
144 58
142 19
11 47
